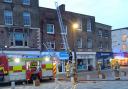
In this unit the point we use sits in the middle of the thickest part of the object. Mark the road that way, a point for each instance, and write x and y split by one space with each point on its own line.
84 85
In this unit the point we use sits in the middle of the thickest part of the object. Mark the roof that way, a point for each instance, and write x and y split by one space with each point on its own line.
120 29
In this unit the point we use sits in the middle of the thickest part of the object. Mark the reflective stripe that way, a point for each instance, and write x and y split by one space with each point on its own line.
1 68
10 72
15 68
48 66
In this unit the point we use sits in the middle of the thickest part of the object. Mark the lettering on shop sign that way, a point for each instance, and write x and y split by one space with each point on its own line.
105 54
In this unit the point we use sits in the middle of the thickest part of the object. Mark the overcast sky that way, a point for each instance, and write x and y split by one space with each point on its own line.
110 12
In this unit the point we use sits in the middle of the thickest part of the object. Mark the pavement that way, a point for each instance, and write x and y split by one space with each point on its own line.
85 85
106 74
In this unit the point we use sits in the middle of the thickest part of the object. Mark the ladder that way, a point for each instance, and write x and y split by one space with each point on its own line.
64 36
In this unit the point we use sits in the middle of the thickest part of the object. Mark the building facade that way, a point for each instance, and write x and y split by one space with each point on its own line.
19 25
120 45
27 29
84 39
119 40
103 44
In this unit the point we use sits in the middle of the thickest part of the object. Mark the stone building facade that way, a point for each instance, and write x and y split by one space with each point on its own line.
19 25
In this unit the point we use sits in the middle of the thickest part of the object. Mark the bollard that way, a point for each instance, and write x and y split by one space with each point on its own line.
12 85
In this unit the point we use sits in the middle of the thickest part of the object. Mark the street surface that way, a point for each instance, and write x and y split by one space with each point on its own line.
86 80
84 85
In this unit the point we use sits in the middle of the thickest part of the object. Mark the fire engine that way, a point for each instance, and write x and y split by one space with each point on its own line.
25 68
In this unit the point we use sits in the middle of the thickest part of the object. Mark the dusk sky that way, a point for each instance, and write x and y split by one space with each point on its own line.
110 12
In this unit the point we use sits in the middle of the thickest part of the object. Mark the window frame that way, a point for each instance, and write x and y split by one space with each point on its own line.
66 29
24 2
7 12
53 32
50 44
8 1
28 15
89 39
89 25
79 41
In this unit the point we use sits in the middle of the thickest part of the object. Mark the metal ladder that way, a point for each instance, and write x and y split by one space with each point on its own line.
64 36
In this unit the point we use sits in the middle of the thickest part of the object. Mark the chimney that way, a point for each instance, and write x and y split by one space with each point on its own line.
62 7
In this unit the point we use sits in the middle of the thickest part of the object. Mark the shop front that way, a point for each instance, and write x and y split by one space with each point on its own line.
86 61
104 58
122 58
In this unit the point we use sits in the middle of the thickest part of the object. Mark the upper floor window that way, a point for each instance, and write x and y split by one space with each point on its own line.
100 33
50 28
65 30
8 1
106 33
89 25
100 45
79 43
26 2
51 45
62 45
8 18
26 19
89 43
18 38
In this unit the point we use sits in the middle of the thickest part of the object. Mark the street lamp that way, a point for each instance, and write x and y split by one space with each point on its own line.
75 27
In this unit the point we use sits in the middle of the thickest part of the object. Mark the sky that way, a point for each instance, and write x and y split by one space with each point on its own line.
110 12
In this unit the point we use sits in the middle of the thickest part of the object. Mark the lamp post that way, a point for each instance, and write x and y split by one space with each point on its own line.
74 61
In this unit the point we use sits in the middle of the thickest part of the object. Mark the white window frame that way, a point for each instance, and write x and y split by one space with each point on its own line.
79 43
9 1
100 33
14 43
65 32
63 45
52 28
27 14
25 2
89 40
89 26
50 44
101 45
10 14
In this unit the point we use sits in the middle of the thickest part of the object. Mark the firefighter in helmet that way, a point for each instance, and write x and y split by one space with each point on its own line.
116 70
68 69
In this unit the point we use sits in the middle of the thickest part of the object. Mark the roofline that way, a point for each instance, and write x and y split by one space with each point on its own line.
67 12
103 24
120 29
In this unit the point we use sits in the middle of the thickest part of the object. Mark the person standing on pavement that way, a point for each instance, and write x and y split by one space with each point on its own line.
68 70
116 70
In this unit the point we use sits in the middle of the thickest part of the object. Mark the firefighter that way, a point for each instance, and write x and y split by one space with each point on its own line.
116 70
68 70
99 69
